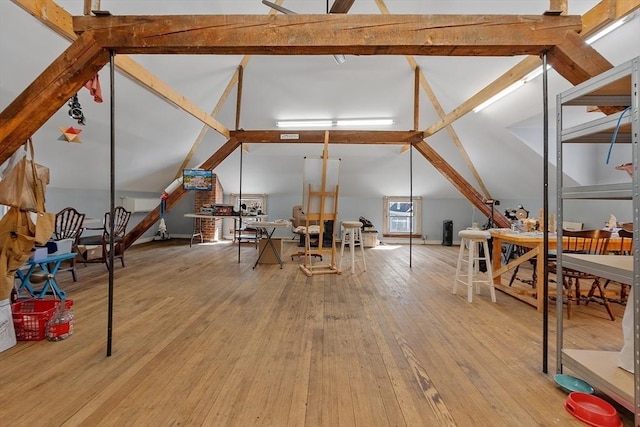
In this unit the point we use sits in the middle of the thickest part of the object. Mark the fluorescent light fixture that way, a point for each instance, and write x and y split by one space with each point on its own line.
535 73
499 95
331 123
606 30
526 79
364 122
303 123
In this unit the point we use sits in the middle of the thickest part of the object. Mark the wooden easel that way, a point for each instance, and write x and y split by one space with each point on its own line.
320 205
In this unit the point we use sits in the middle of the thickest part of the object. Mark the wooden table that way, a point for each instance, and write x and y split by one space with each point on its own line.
534 241
198 217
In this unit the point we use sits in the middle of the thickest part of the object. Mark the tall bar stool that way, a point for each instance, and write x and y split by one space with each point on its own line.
472 239
351 231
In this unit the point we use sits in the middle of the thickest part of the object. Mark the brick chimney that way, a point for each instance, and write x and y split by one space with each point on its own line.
211 228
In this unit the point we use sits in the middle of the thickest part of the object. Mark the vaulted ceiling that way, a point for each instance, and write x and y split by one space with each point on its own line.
497 151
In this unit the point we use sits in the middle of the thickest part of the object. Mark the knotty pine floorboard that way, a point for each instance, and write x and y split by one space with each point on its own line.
200 339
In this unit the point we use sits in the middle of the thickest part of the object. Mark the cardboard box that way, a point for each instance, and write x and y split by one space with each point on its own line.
268 257
89 252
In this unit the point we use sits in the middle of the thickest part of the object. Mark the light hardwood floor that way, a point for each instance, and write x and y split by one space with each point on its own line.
200 339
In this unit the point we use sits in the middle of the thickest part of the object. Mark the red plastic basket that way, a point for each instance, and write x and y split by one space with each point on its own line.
30 317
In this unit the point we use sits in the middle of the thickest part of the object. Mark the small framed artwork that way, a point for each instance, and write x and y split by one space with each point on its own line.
197 179
250 204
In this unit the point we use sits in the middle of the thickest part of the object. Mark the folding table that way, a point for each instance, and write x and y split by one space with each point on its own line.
265 226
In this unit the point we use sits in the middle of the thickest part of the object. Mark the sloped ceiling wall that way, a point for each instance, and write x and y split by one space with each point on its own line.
153 137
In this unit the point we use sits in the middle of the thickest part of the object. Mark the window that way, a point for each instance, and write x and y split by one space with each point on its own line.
402 216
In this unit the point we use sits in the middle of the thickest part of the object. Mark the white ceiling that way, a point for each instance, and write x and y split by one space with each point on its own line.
153 137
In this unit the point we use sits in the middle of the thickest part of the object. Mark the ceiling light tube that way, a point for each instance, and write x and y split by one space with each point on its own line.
364 122
330 123
535 73
499 96
303 123
606 30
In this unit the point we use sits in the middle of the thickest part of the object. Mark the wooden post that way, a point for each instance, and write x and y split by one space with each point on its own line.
90 5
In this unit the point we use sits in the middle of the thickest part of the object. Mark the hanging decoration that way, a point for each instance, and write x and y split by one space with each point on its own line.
70 134
75 110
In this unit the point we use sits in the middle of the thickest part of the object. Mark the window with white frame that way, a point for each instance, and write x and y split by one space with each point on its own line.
402 216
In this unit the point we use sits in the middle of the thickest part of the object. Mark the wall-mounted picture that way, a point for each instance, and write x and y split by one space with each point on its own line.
250 204
197 179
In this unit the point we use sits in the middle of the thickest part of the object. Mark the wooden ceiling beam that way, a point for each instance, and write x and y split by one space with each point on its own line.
595 19
575 60
439 110
559 6
452 133
214 113
335 137
50 91
460 183
341 6
442 35
154 216
60 21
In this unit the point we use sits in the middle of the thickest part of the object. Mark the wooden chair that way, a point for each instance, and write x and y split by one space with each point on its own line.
593 242
626 248
69 225
120 221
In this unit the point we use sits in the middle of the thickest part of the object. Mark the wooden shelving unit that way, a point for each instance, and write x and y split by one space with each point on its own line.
617 88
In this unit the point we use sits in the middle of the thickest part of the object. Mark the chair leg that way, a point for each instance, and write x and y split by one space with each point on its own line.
605 301
460 256
343 239
568 287
624 292
514 275
364 261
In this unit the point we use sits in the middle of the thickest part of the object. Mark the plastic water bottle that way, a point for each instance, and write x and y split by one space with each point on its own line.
60 326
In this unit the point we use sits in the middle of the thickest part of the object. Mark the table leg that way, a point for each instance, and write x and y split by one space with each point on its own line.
271 245
497 260
51 281
197 230
540 284
499 269
25 284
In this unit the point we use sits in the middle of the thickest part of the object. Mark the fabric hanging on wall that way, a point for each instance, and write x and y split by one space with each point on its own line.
94 88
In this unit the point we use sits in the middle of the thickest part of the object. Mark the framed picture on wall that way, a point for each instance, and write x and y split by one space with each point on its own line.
197 179
251 204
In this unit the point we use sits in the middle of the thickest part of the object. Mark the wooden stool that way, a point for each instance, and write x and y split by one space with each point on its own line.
351 231
473 239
